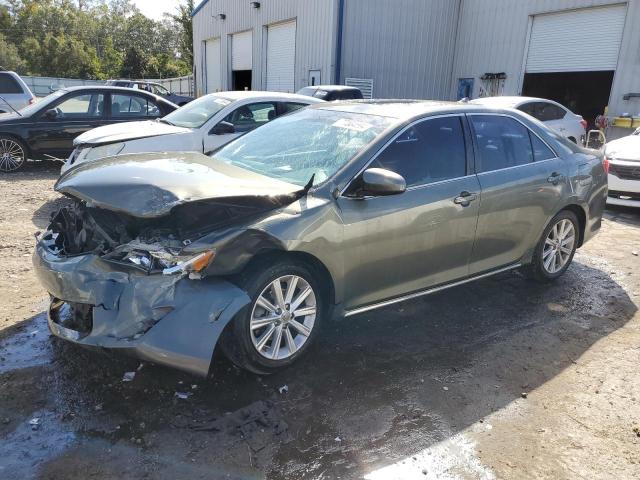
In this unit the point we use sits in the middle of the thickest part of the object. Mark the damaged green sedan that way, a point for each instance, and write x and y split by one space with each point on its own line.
334 210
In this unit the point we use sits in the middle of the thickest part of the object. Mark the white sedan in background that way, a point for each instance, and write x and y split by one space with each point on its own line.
203 125
551 113
623 156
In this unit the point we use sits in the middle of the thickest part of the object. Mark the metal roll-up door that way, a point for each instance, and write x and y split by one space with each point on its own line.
242 51
576 41
281 57
213 65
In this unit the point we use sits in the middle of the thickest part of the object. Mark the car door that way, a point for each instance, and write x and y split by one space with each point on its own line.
242 119
131 107
75 113
423 237
522 182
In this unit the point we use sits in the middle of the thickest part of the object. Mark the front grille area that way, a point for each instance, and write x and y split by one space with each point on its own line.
625 172
624 195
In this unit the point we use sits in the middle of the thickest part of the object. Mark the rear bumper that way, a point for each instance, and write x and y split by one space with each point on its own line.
169 320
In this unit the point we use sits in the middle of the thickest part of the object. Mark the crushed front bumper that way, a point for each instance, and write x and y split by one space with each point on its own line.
166 319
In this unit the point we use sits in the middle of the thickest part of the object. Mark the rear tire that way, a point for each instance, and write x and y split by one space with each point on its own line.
555 249
13 154
279 325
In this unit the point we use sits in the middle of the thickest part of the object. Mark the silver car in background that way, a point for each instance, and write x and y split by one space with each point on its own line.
14 93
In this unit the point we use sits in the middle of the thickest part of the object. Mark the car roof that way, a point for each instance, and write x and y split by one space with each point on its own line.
244 94
509 101
401 109
109 88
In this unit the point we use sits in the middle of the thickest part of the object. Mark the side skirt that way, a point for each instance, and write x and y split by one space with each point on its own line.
421 293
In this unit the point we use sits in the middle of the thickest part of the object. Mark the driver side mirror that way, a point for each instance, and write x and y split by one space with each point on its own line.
223 128
51 114
380 181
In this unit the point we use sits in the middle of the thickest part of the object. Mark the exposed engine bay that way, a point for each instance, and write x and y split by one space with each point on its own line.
152 245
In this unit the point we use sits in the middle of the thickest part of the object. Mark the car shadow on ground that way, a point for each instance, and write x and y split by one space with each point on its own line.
375 389
38 168
625 215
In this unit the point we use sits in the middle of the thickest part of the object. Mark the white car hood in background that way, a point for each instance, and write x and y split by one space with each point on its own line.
120 132
625 148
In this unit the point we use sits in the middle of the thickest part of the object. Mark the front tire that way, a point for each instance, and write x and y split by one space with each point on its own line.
556 248
282 320
13 154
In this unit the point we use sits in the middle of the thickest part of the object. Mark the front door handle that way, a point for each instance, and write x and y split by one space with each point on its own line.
555 178
465 198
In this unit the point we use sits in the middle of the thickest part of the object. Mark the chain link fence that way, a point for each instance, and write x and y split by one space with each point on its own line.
43 86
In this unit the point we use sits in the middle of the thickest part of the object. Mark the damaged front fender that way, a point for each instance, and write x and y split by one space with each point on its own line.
169 320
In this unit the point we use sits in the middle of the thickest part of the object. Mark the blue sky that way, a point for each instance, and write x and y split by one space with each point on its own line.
155 8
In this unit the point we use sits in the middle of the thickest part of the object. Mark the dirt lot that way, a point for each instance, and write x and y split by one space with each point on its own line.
497 379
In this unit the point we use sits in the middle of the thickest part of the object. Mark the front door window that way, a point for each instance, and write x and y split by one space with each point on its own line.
81 107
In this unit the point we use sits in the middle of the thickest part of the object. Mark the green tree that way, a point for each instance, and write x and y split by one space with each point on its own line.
112 60
135 63
93 39
184 21
9 57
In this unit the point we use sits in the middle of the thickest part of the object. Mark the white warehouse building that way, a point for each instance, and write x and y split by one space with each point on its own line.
582 53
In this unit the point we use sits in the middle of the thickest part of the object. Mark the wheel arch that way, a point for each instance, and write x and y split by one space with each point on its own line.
325 278
580 213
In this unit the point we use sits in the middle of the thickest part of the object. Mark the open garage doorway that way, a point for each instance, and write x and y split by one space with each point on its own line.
241 80
584 93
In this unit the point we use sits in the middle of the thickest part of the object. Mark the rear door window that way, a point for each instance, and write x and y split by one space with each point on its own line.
540 149
430 151
133 106
248 117
502 142
9 85
288 107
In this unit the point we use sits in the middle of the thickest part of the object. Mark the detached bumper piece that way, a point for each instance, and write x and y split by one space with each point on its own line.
169 320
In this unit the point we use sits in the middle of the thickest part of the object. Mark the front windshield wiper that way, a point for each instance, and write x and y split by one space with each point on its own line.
166 121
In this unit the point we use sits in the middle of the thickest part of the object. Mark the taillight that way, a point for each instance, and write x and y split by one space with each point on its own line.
605 164
584 123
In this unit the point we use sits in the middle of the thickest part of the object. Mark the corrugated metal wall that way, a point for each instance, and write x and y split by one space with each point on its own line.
405 46
315 38
493 35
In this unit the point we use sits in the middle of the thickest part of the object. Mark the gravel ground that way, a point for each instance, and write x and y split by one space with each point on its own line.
501 378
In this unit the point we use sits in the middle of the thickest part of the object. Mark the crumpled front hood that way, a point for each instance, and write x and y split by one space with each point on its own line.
149 185
119 132
625 148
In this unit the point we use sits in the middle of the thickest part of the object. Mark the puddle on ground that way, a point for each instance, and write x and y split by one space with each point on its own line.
30 347
40 437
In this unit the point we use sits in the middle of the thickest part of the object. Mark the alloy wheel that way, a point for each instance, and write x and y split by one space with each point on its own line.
283 317
12 155
558 246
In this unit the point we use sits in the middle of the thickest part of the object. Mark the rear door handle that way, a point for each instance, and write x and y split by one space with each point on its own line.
555 178
465 198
